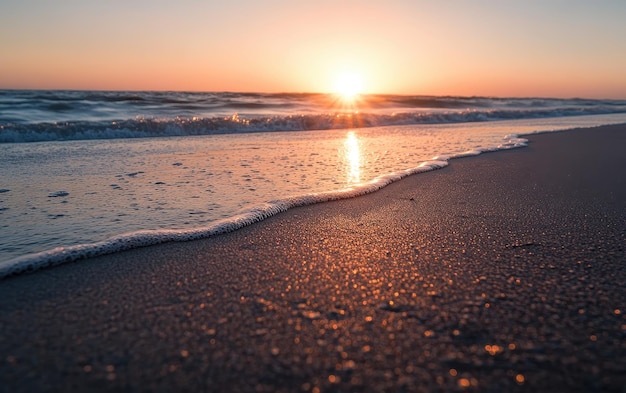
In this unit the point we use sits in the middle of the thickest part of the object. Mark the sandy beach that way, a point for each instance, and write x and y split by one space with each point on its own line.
499 273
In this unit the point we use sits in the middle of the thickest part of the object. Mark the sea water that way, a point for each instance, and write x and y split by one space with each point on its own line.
90 173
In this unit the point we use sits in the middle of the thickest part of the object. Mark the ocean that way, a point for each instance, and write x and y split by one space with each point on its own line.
86 173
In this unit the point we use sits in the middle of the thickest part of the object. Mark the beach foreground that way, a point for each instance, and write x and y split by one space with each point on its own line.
502 272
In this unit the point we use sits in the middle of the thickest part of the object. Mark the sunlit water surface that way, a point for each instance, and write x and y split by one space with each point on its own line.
80 192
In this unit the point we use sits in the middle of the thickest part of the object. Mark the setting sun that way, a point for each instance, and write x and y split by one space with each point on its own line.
348 85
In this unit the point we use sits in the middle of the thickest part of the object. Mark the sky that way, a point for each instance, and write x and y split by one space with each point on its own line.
539 48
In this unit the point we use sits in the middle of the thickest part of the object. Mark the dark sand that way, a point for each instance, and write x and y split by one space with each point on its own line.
500 273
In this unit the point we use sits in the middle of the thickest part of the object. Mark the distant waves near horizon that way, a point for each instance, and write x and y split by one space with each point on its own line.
57 115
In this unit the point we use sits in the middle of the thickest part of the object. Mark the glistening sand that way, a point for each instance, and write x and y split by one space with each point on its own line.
502 272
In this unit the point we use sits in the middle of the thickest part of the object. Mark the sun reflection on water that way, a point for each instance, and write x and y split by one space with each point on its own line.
352 156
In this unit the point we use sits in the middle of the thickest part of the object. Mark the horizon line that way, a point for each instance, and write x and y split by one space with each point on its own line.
315 93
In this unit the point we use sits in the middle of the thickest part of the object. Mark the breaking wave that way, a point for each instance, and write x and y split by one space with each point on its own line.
37 116
144 127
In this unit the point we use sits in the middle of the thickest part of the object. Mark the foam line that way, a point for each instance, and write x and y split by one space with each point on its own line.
61 255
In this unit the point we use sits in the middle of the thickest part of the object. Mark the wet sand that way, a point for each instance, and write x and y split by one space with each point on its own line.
502 272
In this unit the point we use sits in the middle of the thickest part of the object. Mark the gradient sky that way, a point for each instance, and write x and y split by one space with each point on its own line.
557 48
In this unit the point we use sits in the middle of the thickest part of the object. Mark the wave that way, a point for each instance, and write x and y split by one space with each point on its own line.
61 255
145 127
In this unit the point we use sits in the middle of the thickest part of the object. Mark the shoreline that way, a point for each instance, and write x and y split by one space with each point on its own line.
32 262
153 225
500 272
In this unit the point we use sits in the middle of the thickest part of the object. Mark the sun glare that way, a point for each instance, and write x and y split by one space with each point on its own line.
348 85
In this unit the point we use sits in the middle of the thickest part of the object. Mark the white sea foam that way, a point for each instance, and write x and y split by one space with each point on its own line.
137 239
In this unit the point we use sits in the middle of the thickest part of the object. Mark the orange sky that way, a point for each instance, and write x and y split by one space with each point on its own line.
498 48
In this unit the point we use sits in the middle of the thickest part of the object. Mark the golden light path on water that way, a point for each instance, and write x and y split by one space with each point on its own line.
353 159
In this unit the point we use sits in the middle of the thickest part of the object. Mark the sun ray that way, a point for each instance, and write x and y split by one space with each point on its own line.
348 85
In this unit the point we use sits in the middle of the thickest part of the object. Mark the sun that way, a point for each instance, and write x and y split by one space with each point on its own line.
348 85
